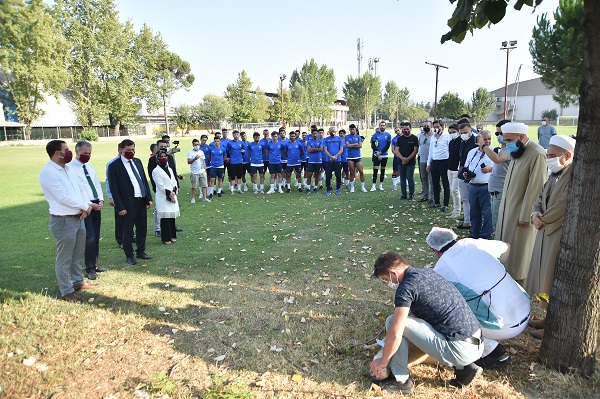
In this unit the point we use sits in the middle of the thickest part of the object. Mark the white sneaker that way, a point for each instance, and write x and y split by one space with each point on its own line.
352 189
255 191
453 215
280 190
240 190
364 190
245 187
206 200
193 201
381 187
374 188
271 191
262 191
394 188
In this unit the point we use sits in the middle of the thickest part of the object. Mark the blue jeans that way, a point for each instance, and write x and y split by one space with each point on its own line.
70 250
426 338
481 211
407 173
426 181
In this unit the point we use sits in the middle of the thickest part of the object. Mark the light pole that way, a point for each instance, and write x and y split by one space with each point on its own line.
367 116
375 61
281 79
437 69
507 46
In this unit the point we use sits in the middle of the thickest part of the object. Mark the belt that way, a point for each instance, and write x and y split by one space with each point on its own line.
95 201
494 193
525 320
66 216
473 340
478 184
140 198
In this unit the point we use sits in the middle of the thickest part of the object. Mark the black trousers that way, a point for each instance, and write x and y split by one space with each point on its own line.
167 229
92 240
118 227
137 216
439 168
333 167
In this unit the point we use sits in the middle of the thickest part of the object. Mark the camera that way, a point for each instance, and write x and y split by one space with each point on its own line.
175 149
465 174
482 165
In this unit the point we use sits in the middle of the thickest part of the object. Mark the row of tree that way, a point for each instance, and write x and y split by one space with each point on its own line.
80 48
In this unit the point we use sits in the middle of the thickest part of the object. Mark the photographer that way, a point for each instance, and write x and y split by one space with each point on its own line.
476 172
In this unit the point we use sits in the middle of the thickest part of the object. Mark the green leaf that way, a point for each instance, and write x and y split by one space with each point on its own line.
542 297
464 9
495 10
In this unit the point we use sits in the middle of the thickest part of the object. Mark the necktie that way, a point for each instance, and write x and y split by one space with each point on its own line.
137 177
91 183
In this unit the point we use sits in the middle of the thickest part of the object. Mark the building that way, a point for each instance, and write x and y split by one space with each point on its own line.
532 98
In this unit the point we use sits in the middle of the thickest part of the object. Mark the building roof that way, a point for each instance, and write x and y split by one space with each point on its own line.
532 87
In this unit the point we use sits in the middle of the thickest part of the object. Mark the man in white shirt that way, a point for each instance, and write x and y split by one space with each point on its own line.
480 165
68 209
437 164
93 192
475 268
197 162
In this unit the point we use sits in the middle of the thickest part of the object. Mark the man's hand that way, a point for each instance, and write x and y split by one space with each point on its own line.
149 204
377 366
537 221
123 212
428 169
487 169
111 202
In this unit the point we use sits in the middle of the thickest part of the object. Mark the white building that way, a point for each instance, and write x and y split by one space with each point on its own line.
532 98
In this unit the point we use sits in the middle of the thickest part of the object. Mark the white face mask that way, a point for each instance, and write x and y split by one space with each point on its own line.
544 123
196 148
554 164
454 135
391 284
464 137
168 149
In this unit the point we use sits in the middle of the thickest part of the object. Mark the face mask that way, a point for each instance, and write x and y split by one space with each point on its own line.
426 129
464 137
391 284
454 135
196 148
406 133
129 154
84 158
68 156
501 139
512 146
163 161
544 123
554 164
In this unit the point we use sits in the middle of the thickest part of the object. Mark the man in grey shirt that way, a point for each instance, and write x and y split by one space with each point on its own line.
545 132
501 161
426 181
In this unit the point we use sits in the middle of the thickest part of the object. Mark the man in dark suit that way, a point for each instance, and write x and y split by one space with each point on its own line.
131 194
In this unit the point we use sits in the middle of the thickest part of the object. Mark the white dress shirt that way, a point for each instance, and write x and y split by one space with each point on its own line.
475 159
63 190
89 194
137 192
438 149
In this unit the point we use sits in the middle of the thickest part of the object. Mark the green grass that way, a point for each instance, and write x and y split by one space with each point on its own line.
279 285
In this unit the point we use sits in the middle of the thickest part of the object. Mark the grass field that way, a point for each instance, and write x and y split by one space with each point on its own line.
261 296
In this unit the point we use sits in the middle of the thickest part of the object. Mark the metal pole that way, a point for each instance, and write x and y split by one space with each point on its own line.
281 79
505 47
437 69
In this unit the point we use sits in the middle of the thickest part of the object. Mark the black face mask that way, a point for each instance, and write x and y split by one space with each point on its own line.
426 129
519 153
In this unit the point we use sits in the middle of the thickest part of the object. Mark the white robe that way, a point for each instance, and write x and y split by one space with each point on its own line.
164 207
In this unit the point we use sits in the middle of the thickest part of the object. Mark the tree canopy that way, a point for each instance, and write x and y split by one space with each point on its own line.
482 104
313 87
362 94
450 106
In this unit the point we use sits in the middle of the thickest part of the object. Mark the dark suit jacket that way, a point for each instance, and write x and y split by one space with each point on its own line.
152 166
121 187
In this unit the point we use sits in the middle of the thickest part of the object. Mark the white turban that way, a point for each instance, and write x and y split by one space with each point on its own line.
439 237
514 127
564 142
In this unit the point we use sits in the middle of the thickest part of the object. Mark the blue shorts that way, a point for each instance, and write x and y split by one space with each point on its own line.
291 168
314 167
217 172
255 169
303 164
275 168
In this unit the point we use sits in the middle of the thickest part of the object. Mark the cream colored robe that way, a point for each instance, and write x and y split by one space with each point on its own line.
524 180
165 208
551 203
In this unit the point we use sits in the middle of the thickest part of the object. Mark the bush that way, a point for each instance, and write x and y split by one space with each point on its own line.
88 135
551 114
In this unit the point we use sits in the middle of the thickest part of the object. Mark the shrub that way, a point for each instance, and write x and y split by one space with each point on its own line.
88 135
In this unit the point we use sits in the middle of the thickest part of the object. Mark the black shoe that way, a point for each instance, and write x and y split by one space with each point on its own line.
391 385
423 200
121 245
461 219
142 255
288 190
299 189
490 362
444 209
92 276
219 195
434 205
411 197
464 377
157 233
403 197
178 229
463 227
131 261
210 196
100 269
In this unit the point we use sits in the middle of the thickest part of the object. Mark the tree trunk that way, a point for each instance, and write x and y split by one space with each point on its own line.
165 111
572 325
116 132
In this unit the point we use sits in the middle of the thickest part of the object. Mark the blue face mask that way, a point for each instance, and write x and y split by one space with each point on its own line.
512 147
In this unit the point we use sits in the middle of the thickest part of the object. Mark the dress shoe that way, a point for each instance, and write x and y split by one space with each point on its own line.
121 245
390 384
142 255
444 209
423 200
101 269
464 377
92 276
157 233
73 297
131 261
434 205
178 229
463 227
85 286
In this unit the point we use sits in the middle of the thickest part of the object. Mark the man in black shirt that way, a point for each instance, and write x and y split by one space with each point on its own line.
441 325
407 146
453 161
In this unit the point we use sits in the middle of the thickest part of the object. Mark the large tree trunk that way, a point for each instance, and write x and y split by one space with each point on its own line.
573 321
117 132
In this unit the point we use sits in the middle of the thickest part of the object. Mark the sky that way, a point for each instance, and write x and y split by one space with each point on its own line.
269 38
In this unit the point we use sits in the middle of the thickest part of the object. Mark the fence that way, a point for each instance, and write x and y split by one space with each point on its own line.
66 132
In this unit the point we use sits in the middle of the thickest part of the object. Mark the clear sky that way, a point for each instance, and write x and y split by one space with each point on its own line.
270 38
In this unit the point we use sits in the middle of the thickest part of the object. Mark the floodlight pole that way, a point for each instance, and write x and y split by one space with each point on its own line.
507 46
437 70
281 79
